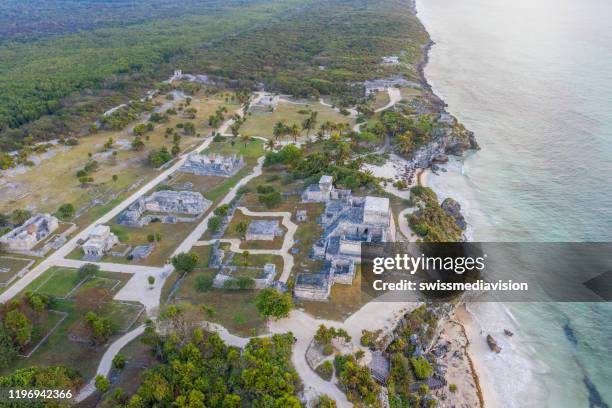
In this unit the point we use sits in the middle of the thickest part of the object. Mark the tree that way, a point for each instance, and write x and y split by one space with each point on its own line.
271 144
118 361
101 328
185 262
245 256
272 303
214 223
19 327
66 211
88 271
115 178
8 351
151 280
102 383
279 130
19 216
241 229
294 131
137 144
222 210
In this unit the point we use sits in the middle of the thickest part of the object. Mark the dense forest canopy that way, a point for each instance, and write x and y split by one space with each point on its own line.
56 86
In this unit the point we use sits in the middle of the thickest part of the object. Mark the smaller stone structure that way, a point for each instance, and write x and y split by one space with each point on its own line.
265 280
213 165
312 286
263 230
391 60
267 103
379 367
301 215
34 230
100 242
325 191
343 271
142 251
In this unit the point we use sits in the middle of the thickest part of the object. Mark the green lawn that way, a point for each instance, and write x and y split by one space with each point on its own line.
59 282
13 264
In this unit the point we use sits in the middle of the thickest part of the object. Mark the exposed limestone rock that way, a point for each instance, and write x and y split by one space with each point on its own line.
453 208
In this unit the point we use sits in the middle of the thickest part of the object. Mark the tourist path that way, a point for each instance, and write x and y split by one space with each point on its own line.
107 361
284 252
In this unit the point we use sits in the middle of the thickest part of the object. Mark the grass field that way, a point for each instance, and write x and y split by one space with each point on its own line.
380 99
234 309
261 124
59 282
14 264
35 189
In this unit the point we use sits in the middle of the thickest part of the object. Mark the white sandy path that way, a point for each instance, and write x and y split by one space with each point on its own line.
107 360
288 242
394 97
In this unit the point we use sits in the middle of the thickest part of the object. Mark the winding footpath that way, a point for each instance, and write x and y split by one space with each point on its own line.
284 252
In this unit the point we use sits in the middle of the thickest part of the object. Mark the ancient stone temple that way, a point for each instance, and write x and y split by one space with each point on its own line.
267 103
26 236
213 165
165 206
348 223
100 242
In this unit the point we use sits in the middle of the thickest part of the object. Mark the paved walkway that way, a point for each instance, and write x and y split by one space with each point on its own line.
284 252
107 361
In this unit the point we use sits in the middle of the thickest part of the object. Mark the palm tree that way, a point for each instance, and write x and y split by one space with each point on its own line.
279 130
294 131
405 144
270 144
245 139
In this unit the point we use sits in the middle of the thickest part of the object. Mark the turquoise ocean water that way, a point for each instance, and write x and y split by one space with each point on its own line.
533 80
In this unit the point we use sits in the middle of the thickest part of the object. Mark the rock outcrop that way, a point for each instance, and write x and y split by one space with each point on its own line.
493 344
453 209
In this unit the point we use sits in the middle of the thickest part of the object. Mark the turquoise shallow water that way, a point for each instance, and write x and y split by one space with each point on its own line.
533 80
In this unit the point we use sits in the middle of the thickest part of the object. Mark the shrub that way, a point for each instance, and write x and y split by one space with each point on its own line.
272 303
118 361
222 210
328 349
214 223
265 189
325 370
422 368
452 388
65 211
88 270
203 283
102 383
271 200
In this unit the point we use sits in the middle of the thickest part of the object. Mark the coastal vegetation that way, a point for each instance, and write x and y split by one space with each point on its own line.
197 367
430 221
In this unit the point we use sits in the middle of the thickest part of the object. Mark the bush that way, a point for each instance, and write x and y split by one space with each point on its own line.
102 383
452 388
118 361
328 349
265 189
272 303
325 370
222 210
88 270
65 211
185 262
214 223
271 200
422 368
203 283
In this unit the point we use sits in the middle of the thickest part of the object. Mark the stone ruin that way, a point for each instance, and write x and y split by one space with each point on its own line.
30 233
165 206
100 242
213 165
